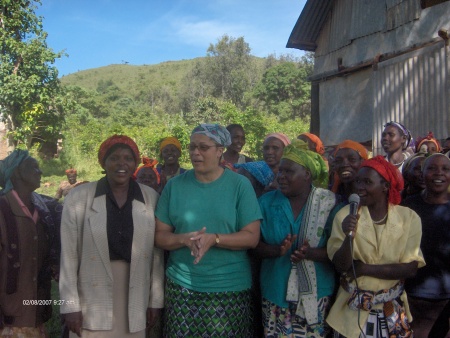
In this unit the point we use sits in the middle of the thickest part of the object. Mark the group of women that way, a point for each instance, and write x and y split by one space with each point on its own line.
309 240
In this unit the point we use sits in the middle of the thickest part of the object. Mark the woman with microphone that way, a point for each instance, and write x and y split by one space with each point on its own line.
374 251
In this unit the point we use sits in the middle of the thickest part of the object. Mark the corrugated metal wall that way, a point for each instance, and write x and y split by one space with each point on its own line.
368 17
340 29
413 90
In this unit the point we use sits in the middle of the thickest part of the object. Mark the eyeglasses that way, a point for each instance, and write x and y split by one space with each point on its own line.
201 147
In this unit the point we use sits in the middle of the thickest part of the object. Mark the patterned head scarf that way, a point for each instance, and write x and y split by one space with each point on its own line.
390 173
405 132
259 170
148 163
113 140
429 138
216 132
283 138
7 167
320 149
298 152
71 171
170 140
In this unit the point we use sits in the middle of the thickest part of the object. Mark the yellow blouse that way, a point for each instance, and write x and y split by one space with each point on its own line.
399 243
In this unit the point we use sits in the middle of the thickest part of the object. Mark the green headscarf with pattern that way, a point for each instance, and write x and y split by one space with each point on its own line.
299 153
7 166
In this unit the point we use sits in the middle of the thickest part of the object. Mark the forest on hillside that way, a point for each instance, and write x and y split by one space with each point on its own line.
147 103
150 102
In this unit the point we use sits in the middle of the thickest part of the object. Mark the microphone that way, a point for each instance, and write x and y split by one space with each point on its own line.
354 204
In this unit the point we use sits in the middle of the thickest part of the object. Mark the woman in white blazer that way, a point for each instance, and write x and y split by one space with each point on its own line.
111 278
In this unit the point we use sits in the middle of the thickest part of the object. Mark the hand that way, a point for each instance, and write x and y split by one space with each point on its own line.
187 240
287 244
203 242
73 321
301 253
350 223
359 270
152 316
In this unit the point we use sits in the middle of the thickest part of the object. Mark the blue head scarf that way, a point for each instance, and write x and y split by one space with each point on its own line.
259 170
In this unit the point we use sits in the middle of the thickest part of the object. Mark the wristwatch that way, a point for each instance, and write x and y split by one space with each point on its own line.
217 239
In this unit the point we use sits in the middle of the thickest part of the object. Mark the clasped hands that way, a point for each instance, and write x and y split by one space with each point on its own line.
199 243
299 254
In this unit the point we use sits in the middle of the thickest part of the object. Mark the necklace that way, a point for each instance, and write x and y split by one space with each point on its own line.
399 163
381 221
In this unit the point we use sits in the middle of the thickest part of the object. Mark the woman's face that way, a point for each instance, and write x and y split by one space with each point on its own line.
311 144
29 173
346 164
370 187
147 177
392 140
414 174
272 151
436 174
204 153
237 140
120 166
292 178
431 147
170 154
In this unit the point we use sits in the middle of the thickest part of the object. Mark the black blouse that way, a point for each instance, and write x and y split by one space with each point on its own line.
119 221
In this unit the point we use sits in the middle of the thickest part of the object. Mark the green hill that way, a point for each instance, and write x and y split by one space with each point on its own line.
132 79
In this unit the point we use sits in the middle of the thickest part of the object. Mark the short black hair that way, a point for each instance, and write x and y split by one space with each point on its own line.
234 126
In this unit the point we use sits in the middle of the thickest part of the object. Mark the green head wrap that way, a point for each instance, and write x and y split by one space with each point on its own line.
7 166
299 153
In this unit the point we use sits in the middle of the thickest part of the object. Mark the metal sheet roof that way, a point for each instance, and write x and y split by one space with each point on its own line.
309 24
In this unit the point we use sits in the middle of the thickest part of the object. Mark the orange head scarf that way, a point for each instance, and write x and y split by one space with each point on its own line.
112 141
348 144
170 140
148 163
429 138
320 149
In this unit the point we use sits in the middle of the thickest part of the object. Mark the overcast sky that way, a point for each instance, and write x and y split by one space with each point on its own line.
96 33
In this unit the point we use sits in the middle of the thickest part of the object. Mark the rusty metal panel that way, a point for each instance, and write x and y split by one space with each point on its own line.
413 90
368 17
401 12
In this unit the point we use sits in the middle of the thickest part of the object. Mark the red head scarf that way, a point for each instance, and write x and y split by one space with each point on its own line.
320 149
148 163
390 173
71 171
113 140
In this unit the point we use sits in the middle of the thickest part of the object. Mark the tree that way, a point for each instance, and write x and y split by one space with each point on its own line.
31 99
229 68
285 90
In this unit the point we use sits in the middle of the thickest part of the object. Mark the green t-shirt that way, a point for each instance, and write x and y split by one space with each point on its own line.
223 206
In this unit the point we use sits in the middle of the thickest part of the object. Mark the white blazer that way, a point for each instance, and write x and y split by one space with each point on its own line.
86 281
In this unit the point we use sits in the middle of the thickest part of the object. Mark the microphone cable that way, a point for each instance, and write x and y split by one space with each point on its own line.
357 288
